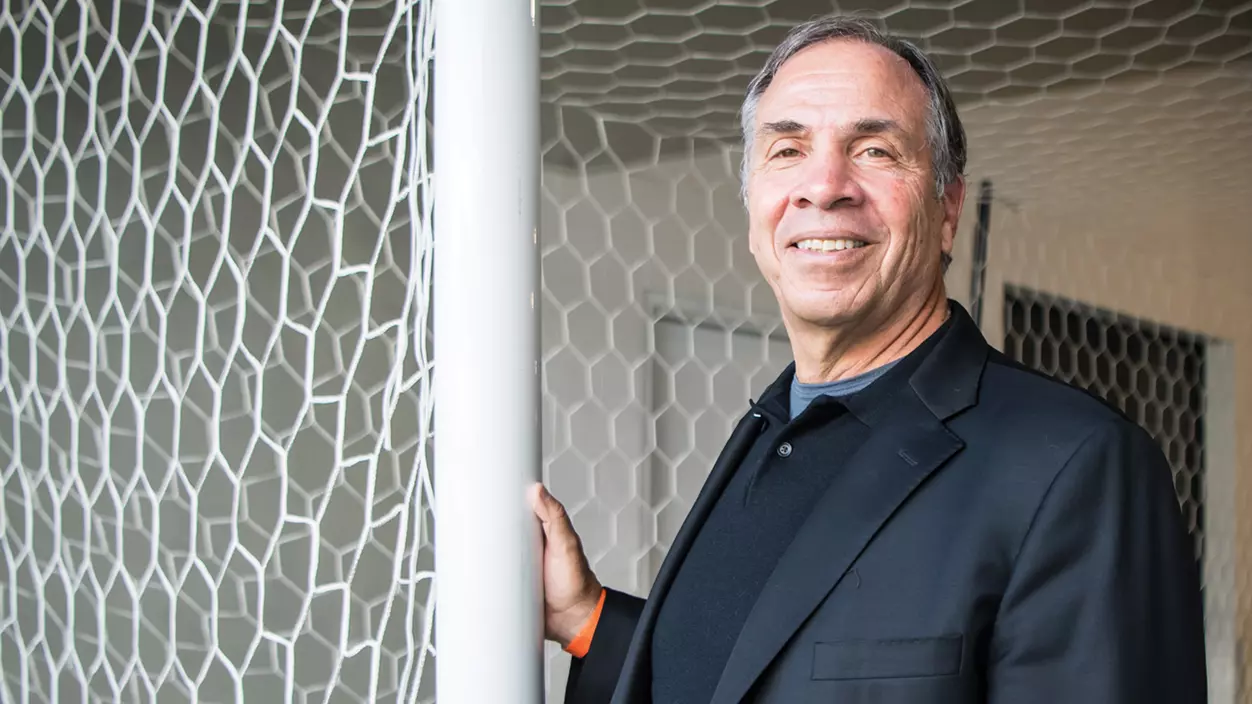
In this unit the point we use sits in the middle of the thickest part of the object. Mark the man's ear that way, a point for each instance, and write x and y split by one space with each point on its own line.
952 200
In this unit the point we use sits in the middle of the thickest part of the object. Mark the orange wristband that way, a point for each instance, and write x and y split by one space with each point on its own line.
582 642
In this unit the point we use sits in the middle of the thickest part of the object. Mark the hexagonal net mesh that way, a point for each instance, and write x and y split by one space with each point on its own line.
1154 374
1116 136
214 273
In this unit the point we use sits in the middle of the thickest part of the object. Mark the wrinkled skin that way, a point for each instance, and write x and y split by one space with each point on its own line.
841 151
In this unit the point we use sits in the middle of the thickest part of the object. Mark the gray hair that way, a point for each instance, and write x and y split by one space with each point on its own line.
944 132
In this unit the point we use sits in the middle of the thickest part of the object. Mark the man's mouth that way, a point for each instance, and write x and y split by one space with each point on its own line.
825 245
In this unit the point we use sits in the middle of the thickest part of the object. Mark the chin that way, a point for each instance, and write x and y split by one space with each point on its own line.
823 311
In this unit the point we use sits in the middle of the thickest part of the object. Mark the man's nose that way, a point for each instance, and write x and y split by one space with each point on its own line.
827 181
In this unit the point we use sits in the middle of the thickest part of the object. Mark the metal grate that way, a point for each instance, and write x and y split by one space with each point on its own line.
1153 373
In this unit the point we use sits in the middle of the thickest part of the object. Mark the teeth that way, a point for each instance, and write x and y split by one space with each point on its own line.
817 245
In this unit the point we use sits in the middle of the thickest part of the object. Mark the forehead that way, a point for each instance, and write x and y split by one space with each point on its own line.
845 80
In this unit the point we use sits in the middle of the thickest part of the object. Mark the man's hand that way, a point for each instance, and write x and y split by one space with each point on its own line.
571 589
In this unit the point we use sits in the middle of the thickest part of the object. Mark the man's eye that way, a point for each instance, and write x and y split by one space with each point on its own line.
786 152
877 153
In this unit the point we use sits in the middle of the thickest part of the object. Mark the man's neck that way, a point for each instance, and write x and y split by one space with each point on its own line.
828 355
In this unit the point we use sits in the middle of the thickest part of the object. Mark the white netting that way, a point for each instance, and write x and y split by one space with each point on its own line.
214 399
1116 133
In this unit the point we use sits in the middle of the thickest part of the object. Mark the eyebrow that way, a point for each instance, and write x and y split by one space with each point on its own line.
781 127
875 126
864 126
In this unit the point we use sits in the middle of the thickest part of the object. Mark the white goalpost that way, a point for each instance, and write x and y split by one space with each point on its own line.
487 346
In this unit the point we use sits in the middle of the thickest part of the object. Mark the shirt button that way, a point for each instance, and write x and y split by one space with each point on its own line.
784 450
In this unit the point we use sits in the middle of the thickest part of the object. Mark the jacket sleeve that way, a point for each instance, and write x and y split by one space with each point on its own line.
1104 603
592 678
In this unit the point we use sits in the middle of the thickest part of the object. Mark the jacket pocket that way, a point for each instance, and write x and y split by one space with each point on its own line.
891 658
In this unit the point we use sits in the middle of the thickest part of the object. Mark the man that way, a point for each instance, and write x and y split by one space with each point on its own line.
905 515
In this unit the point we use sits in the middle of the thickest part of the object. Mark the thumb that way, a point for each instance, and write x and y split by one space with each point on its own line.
549 511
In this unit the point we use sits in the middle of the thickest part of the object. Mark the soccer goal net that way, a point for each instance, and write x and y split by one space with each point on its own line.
214 387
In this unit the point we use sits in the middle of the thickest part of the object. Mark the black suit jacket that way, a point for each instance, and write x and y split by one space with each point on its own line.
1005 538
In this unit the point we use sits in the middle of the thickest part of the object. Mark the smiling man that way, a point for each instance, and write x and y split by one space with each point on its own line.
905 515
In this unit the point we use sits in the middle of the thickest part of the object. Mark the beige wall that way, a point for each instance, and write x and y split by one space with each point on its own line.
1136 198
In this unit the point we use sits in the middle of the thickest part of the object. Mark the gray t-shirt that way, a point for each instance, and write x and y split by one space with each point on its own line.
803 394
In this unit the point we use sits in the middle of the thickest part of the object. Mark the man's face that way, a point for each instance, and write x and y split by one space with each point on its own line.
844 220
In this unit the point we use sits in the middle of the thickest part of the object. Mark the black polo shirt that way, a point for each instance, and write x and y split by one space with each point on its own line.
768 498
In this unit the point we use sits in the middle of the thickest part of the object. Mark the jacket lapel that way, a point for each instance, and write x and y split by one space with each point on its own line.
884 473
894 462
912 443
635 682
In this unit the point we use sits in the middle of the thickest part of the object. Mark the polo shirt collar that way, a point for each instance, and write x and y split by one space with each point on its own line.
870 404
